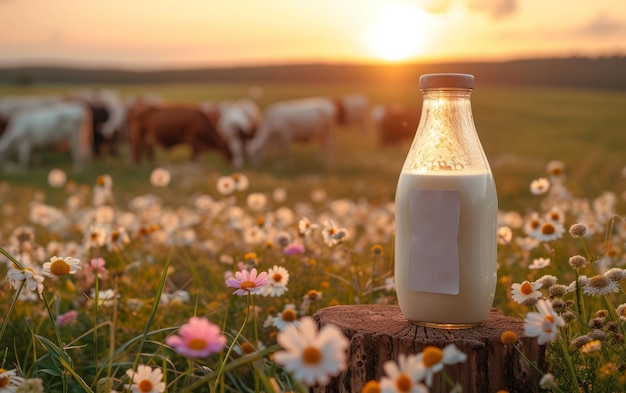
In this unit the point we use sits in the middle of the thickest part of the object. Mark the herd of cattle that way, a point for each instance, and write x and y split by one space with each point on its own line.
94 122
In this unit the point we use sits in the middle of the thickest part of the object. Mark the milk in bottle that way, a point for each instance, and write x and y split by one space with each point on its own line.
445 213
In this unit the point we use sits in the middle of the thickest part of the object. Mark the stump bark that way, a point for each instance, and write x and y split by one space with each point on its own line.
379 333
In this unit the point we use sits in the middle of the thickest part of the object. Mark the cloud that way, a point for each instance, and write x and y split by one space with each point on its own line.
602 25
498 9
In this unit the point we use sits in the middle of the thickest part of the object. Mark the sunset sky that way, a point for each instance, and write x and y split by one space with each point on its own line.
149 34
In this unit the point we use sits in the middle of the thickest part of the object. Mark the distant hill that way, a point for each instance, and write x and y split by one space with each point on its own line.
580 72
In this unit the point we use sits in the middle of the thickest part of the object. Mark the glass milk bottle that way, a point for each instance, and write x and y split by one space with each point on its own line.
446 210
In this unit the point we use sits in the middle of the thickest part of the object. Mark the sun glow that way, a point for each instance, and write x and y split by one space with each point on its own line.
400 33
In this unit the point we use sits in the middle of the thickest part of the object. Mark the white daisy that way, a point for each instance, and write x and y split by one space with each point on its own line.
401 377
539 186
278 278
95 237
539 263
241 181
431 362
33 281
57 178
600 285
117 239
525 291
332 234
146 380
58 266
9 380
311 356
288 317
226 185
505 235
160 177
543 324
548 231
305 227
256 201
547 382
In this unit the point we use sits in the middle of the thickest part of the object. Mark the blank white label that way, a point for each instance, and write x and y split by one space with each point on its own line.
434 252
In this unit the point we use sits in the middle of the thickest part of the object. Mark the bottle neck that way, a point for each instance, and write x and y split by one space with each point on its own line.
446 138
447 94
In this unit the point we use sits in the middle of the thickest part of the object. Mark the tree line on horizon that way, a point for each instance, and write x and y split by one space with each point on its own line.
607 73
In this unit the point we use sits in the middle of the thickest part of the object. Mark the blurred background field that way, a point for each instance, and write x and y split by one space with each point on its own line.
522 128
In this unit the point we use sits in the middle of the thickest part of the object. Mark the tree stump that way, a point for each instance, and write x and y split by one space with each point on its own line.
378 333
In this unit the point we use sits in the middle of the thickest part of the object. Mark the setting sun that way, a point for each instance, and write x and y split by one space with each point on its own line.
400 33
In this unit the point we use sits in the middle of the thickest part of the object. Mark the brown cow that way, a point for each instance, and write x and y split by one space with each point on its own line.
170 126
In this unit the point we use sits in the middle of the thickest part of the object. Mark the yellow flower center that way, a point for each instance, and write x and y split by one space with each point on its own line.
548 229
196 344
312 295
526 288
247 285
548 320
277 277
534 224
371 387
403 383
145 385
599 281
288 315
115 235
556 171
311 356
376 249
508 338
431 356
59 268
4 381
247 348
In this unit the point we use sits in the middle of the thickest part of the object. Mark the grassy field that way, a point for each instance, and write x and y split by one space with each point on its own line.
521 128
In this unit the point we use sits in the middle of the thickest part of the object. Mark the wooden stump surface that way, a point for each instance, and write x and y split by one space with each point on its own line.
378 333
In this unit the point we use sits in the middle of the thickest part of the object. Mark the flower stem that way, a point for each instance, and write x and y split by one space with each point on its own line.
11 308
570 366
218 377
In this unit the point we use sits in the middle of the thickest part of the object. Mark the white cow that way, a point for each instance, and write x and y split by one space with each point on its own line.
296 121
48 126
237 122
11 105
114 104
355 109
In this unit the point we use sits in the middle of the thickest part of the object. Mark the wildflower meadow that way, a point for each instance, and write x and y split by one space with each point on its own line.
204 279
216 293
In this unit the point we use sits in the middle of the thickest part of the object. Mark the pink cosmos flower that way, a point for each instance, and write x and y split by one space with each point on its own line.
247 281
197 338
293 249
67 318
97 265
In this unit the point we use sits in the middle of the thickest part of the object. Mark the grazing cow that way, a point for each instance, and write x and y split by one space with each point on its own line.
295 121
355 107
396 123
170 126
236 121
49 126
11 105
110 130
